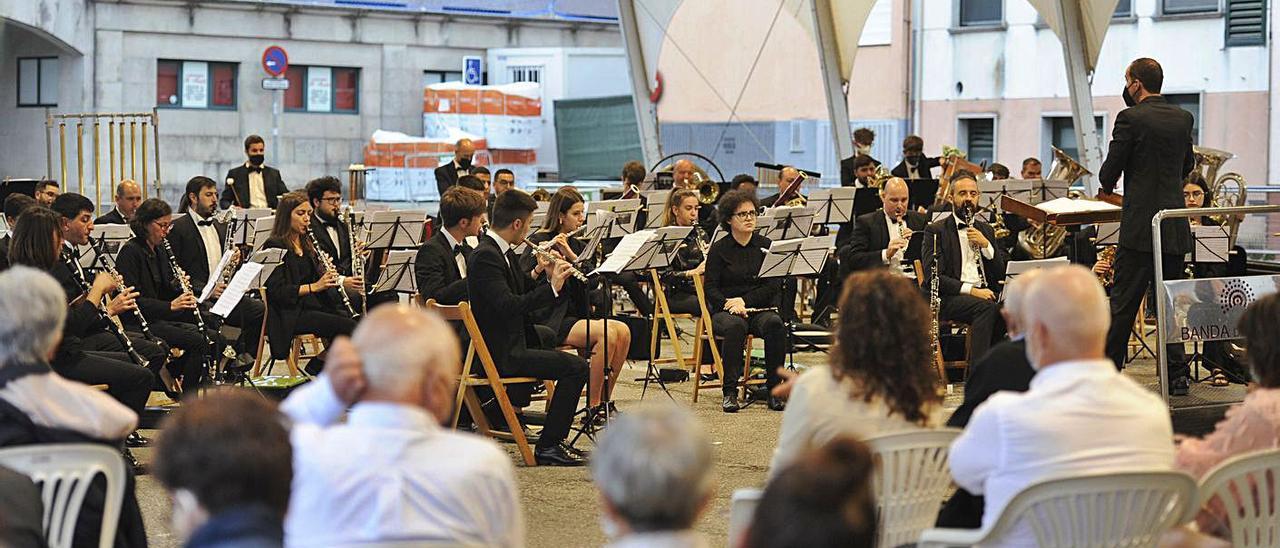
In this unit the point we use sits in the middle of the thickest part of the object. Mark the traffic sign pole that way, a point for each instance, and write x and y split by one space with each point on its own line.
275 61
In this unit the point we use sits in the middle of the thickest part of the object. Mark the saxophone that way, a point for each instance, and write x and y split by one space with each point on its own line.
327 263
118 327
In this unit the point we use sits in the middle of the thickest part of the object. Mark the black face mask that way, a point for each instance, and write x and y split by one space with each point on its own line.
464 162
257 159
912 160
1128 99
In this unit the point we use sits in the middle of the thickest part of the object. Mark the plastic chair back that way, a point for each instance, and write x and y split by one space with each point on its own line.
911 481
741 509
1246 487
63 472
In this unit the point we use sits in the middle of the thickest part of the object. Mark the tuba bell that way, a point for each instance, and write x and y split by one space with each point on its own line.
1229 190
1065 168
1045 241
708 190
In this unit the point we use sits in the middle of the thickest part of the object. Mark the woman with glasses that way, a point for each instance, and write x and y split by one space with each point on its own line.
1223 367
739 301
302 295
169 312
682 210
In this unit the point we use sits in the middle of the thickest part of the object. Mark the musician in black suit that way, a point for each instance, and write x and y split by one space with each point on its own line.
863 138
14 205
447 175
253 184
880 238
144 265
302 295
441 264
502 297
1151 147
128 197
968 291
198 241
1004 368
864 168
914 164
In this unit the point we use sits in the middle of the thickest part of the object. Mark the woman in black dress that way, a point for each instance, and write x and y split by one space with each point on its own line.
302 296
682 210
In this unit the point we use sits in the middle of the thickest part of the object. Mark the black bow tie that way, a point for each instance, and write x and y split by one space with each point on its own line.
255 169
459 249
329 224
206 222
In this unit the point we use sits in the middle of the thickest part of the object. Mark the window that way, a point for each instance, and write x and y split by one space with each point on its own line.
38 82
196 84
797 136
1189 102
1178 7
1246 22
322 89
440 76
525 73
978 135
979 13
1124 9
1062 134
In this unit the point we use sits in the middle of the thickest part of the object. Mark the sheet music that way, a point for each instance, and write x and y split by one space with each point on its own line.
398 271
270 259
261 231
626 250
1108 233
1078 205
1014 268
1210 244
1043 190
110 238
213 277
1019 189
834 205
240 283
242 219
394 229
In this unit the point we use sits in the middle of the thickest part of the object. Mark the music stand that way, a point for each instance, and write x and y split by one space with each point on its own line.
261 232
394 229
1043 190
655 200
796 257
270 259
399 262
539 215
991 191
1211 244
106 241
833 205
789 222
241 223
922 192
597 226
625 223
644 250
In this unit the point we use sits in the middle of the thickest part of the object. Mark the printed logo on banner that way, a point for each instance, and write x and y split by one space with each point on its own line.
1235 295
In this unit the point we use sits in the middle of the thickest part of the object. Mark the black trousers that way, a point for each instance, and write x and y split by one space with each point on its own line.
826 292
195 352
127 382
684 303
570 373
983 316
155 353
1134 274
247 315
733 329
323 324
790 287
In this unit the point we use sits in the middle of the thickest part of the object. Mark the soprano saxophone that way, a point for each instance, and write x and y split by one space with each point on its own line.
327 262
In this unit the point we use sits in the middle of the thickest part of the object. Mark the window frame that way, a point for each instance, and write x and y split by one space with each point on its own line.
1164 13
1259 40
209 92
958 24
333 95
443 76
1046 132
962 120
1198 114
40 103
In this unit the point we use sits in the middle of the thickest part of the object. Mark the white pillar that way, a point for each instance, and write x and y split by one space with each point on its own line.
646 110
832 79
1073 52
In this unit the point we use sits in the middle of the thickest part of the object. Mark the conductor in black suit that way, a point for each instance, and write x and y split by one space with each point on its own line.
914 164
198 241
447 175
502 296
1151 146
128 198
968 292
441 264
253 184
880 238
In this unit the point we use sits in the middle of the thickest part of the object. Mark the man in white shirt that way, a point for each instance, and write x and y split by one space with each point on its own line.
253 184
391 471
1080 416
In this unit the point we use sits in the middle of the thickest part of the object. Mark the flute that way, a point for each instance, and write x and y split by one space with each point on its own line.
544 252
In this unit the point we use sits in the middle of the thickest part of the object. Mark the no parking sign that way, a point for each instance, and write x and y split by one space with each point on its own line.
275 61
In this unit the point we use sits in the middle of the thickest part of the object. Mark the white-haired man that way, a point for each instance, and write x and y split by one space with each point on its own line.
391 472
654 471
1079 416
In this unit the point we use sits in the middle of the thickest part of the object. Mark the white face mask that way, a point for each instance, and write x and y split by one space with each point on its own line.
864 149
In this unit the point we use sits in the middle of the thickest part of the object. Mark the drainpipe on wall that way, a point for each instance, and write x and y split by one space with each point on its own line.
915 26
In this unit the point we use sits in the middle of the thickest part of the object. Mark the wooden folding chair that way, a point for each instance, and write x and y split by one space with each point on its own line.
703 331
662 313
467 382
945 326
302 346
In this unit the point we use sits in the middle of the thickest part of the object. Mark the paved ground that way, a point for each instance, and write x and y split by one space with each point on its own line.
560 504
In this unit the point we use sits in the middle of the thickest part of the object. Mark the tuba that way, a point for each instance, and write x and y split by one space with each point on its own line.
1046 240
953 160
1229 190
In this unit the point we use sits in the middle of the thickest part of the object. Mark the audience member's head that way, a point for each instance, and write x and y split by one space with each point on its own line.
1258 327
14 205
882 343
822 499
654 468
228 450
32 309
1015 301
1065 317
401 365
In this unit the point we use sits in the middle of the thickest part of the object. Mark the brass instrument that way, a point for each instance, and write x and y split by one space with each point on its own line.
327 263
1108 277
878 179
1229 190
141 147
953 160
708 190
544 251
1046 240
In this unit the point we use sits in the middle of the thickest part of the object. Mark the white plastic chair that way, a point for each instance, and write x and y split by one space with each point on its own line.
741 508
1246 486
1099 510
912 479
63 472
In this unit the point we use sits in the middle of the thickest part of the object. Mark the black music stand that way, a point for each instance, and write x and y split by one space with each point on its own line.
834 205
789 222
922 192
105 243
791 258
394 230
393 275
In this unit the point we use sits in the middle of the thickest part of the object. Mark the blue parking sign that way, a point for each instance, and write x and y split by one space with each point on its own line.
471 73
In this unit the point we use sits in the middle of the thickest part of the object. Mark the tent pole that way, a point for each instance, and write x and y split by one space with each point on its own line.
646 109
1073 43
832 79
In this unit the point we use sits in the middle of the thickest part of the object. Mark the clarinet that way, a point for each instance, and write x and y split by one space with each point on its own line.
118 328
969 221
184 282
327 262
137 312
347 217
935 307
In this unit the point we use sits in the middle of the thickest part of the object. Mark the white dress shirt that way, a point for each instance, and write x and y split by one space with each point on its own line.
1077 417
970 276
895 230
821 408
332 231
458 258
391 472
212 247
257 189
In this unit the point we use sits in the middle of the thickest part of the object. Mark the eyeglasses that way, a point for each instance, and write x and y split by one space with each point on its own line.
332 200
744 215
1193 194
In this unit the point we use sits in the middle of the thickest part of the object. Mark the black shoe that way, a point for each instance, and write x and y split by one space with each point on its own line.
710 377
314 367
777 404
557 455
595 418
613 410
132 462
1179 386
136 440
730 403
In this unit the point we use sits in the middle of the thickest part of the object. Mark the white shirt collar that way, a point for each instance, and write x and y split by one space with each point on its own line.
452 242
1071 370
503 245
195 216
392 415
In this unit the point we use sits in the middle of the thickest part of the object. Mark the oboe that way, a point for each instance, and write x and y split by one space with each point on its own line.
935 307
327 262
118 328
184 282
